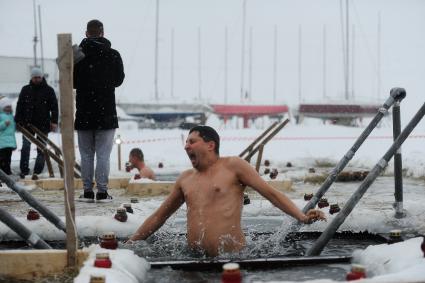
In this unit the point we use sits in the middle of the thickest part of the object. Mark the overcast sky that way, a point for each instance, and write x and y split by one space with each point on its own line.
130 25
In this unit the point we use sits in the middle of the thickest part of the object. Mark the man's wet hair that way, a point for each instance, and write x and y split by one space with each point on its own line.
208 134
95 28
137 152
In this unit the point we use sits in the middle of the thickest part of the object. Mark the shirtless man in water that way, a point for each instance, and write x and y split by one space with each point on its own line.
136 159
213 192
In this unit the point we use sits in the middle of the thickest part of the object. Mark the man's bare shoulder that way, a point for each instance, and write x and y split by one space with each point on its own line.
186 174
232 161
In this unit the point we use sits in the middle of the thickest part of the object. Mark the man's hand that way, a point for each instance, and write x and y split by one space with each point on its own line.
313 215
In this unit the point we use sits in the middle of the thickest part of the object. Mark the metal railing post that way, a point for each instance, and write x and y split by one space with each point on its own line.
28 198
330 230
398 166
396 94
30 237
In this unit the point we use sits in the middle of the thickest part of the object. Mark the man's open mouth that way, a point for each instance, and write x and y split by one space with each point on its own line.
192 157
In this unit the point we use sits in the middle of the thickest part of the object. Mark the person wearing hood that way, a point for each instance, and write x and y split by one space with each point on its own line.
38 106
98 70
7 134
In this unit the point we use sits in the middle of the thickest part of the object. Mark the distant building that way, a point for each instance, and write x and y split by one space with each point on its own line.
15 73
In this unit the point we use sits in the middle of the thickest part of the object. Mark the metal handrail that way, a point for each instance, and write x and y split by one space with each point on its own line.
396 94
330 230
30 237
28 198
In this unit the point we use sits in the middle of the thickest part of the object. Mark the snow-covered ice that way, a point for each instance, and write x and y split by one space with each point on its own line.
305 146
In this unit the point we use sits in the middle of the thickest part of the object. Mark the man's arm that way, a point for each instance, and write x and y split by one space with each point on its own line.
174 200
118 69
249 177
147 172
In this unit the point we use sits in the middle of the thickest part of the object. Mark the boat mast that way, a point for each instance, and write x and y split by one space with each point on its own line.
274 62
299 63
347 53
324 62
378 55
156 50
199 65
243 50
353 45
41 39
35 39
225 63
172 64
250 66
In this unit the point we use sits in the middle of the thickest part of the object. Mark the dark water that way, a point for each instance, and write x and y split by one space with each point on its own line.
168 246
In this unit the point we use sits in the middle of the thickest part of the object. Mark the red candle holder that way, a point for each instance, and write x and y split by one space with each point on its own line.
109 241
128 166
334 208
121 214
128 207
231 273
395 237
273 173
246 199
357 272
33 214
308 197
137 177
102 260
323 202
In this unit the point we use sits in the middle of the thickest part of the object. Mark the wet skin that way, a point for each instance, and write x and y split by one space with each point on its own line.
213 192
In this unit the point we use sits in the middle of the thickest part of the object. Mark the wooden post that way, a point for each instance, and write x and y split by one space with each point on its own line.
259 157
65 65
49 163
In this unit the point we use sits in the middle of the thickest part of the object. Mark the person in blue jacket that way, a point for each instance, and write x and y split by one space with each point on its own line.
7 134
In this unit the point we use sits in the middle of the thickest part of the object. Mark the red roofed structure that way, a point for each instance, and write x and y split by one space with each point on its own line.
247 111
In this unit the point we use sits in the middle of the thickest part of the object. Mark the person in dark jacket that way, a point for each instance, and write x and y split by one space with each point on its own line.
98 71
37 105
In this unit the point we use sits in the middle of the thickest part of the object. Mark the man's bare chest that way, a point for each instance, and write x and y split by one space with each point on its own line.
202 189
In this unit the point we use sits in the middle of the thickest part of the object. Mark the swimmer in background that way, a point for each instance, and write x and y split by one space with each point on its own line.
136 160
213 191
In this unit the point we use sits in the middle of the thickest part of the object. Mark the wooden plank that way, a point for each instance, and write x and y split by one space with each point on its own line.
31 264
259 157
251 146
58 183
66 67
150 189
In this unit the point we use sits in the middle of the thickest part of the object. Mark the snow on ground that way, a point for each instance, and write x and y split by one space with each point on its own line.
126 266
305 146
